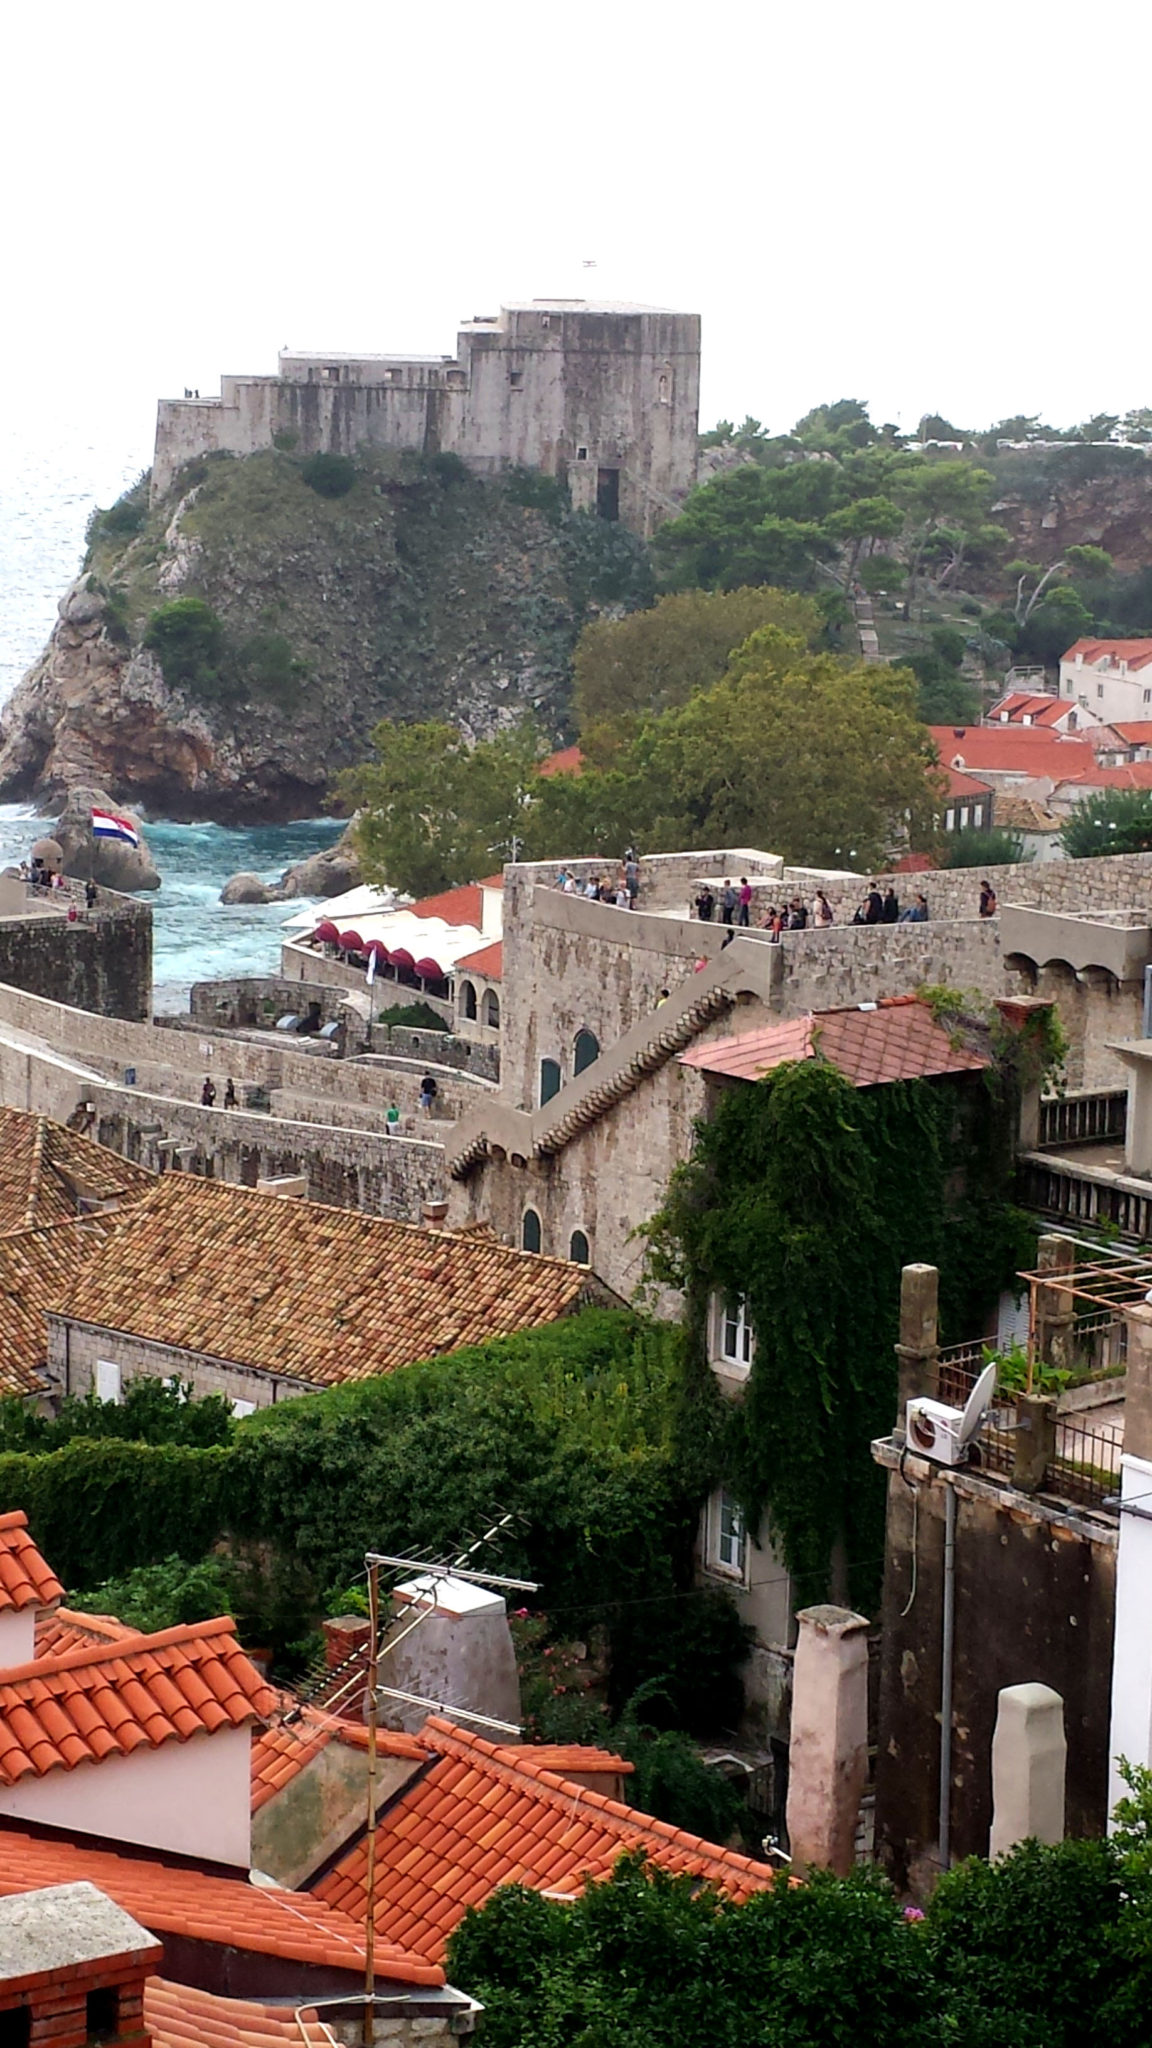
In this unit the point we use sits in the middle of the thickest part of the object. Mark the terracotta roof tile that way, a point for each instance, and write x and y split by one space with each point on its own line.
111 1698
37 1269
1011 749
566 761
45 1170
317 1294
1137 653
179 2016
25 1579
281 1751
175 1899
488 961
455 906
554 1834
898 1040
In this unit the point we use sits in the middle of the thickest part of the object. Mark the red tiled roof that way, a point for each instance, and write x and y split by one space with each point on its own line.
320 1295
562 1758
226 1911
280 1753
900 1040
60 1629
485 1816
457 906
1011 750
179 2016
25 1579
488 960
566 761
964 785
45 1167
1137 653
1128 775
1043 710
108 1699
37 1268
913 864
1135 732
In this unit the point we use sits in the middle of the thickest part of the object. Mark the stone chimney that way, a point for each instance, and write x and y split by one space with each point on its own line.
435 1214
72 1969
461 1655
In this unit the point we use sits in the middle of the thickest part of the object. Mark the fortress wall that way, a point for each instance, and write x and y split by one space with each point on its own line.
102 962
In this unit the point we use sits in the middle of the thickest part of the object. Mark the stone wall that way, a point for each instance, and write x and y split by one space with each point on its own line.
101 962
1035 1600
466 1054
75 1349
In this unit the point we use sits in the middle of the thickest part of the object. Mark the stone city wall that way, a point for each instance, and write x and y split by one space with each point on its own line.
75 1349
100 962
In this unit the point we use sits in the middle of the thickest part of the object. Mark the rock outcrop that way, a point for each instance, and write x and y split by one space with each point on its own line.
110 862
330 873
420 594
246 888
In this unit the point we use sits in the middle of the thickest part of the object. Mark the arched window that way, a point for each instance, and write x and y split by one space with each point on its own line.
467 1000
578 1249
530 1231
549 1079
586 1049
492 1010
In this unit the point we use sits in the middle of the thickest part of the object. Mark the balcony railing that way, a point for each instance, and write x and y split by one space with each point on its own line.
1085 1467
1095 1199
1088 1118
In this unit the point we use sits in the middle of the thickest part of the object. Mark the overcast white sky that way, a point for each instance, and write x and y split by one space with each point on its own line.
928 208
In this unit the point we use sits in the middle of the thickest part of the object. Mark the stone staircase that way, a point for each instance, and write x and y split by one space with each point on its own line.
746 967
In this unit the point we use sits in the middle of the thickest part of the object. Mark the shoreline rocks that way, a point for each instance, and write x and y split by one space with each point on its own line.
112 863
332 872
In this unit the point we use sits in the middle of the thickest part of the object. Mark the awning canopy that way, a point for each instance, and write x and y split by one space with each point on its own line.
326 934
351 942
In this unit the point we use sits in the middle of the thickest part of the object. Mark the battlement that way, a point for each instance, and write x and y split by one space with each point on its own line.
603 396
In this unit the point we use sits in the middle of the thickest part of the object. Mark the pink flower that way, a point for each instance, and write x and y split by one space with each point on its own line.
913 1913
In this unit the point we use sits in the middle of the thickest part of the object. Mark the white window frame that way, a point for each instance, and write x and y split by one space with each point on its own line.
109 1382
733 1338
242 1408
726 1538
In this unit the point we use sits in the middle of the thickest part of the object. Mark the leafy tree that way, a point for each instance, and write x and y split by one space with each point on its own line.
946 503
836 428
748 526
1101 427
880 573
944 696
1112 821
1137 424
1057 621
166 1595
991 849
867 519
435 811
152 1411
330 476
643 664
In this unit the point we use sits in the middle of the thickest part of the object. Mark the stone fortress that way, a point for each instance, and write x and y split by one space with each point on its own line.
604 397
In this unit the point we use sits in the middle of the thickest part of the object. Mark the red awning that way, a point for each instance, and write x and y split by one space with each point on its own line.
326 934
377 947
429 970
351 942
401 957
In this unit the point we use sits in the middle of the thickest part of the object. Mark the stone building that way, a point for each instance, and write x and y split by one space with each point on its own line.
605 397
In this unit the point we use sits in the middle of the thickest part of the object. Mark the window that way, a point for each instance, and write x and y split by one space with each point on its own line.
586 1049
964 816
581 455
545 319
549 1080
1099 689
16 2026
516 379
103 2013
468 1001
107 1380
949 820
734 1340
530 1236
578 1250
492 1010
726 1547
664 389
1148 696
242 1408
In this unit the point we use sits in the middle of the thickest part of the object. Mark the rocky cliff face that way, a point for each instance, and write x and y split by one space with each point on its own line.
1077 497
418 594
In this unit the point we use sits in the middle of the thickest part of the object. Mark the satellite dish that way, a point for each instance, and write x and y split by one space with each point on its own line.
976 1408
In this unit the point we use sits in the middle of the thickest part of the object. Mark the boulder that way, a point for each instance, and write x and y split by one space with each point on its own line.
110 862
331 873
246 888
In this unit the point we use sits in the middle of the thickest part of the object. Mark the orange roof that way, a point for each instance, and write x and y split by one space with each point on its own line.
960 784
567 761
561 1758
227 1911
1128 775
317 1294
1135 732
37 1267
25 1580
107 1699
457 906
46 1169
1137 653
1011 750
900 1040
60 1629
488 960
485 1816
1018 705
178 2016
280 1753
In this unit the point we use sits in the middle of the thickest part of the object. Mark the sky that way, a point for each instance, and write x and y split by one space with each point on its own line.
917 207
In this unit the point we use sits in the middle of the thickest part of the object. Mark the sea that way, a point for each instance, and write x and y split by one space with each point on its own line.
49 483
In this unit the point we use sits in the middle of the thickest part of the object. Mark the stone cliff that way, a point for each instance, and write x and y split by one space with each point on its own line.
416 592
1074 497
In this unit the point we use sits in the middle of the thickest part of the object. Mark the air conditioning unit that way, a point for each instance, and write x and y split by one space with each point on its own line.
932 1430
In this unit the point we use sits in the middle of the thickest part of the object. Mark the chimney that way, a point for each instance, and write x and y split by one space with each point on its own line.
344 1634
460 1656
435 1214
72 1969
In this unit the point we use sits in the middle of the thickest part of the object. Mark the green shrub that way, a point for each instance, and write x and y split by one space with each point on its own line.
100 1506
415 1016
153 1411
190 644
165 1595
991 849
269 667
330 476
286 440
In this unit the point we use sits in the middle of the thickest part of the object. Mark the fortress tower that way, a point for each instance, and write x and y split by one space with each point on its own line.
604 396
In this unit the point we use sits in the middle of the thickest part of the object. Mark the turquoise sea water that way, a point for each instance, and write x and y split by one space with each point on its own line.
49 483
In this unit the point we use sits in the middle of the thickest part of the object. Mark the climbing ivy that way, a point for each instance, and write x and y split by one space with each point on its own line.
806 1196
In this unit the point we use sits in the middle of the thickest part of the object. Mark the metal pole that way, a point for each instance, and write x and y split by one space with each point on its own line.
370 1878
946 1650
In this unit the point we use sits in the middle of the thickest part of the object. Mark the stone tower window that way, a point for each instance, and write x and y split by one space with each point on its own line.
664 388
516 379
581 455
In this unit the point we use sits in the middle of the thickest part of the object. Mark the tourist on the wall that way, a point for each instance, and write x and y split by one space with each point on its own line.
705 904
208 1094
632 877
821 911
987 900
427 1093
916 913
873 905
230 1101
745 901
90 893
728 902
891 906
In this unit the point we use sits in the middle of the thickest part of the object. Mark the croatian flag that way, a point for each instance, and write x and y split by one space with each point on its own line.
106 825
